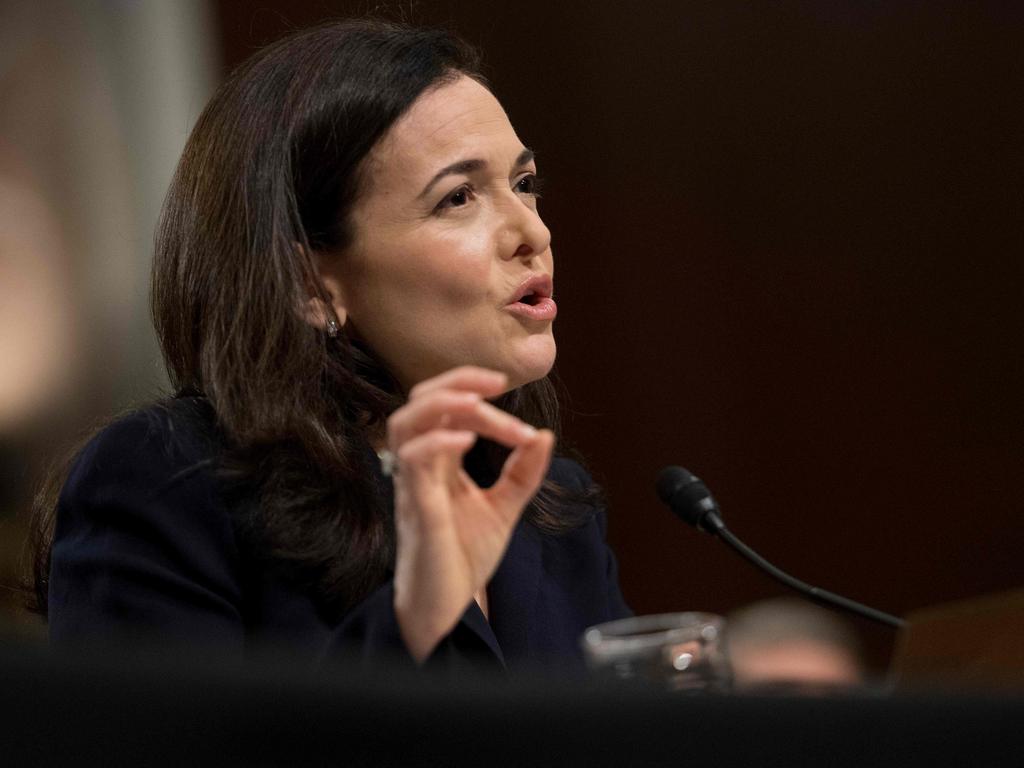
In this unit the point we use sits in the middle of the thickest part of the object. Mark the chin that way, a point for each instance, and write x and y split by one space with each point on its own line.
533 364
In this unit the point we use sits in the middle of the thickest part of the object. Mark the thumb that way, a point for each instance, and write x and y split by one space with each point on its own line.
523 473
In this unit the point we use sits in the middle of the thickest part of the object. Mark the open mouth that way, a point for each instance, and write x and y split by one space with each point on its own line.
533 291
530 299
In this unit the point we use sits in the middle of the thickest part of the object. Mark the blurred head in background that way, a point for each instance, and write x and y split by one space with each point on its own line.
789 643
37 332
91 126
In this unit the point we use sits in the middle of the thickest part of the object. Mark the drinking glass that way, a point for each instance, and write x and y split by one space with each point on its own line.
674 651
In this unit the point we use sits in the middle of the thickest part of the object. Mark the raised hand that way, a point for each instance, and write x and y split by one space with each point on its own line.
452 533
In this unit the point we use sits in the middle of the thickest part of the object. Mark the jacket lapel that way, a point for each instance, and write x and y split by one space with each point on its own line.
512 593
474 620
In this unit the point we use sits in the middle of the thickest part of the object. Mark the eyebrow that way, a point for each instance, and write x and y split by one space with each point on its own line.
469 166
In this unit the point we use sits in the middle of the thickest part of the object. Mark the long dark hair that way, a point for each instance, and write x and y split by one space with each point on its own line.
268 179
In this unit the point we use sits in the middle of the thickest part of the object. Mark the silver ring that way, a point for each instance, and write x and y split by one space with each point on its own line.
388 463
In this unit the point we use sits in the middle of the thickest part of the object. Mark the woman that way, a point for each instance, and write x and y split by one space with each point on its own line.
350 265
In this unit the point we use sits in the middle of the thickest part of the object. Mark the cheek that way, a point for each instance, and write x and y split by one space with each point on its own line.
433 275
454 271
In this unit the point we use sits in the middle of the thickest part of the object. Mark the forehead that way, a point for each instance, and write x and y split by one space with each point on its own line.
457 121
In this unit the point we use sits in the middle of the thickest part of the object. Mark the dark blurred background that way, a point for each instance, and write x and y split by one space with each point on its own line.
789 241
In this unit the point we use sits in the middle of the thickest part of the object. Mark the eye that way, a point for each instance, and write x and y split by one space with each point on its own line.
530 184
456 199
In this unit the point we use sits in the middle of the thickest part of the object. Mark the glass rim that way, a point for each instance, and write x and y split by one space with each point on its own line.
640 633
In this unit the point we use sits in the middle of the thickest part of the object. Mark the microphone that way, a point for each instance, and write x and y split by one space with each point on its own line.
691 501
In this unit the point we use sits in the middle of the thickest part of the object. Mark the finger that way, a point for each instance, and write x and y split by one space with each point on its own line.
523 473
452 409
434 454
470 378
431 469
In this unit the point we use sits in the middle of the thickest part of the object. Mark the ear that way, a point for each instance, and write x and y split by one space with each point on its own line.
326 304
320 315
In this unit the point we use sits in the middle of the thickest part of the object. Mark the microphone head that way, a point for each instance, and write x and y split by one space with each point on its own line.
688 498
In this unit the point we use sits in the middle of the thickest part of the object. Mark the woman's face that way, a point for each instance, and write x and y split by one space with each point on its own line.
447 240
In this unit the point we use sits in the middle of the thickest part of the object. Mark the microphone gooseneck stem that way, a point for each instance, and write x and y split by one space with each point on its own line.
718 528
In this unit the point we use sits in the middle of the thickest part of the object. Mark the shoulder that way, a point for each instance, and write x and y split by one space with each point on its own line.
143 541
570 474
580 500
146 483
149 447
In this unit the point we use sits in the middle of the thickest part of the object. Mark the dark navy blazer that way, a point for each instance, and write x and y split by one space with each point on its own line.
147 546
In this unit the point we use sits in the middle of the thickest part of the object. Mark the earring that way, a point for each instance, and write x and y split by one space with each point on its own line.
332 328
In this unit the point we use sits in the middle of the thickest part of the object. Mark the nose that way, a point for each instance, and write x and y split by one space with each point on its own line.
524 233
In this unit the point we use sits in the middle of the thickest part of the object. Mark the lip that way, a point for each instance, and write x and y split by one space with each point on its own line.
543 308
541 285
